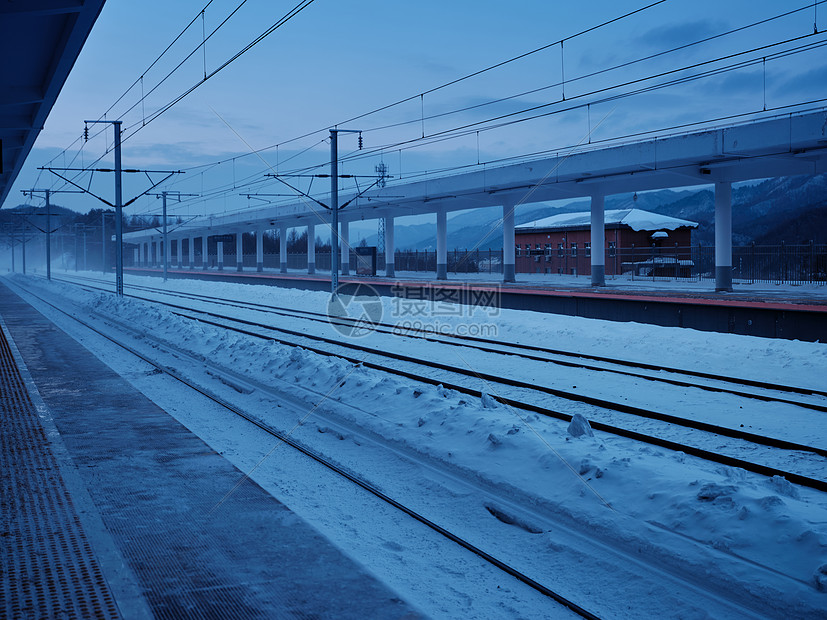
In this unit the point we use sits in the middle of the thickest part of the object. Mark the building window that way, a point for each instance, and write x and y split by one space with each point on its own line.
548 249
587 249
612 248
561 250
517 250
574 250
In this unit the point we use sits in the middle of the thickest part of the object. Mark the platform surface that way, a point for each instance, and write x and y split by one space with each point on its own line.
747 311
154 487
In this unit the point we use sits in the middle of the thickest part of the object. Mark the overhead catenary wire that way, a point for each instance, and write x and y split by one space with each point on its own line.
146 120
570 80
298 8
499 121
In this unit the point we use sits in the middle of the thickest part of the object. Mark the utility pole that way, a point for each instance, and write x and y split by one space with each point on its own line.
48 236
23 237
48 229
167 253
119 206
382 173
9 230
334 216
103 242
334 206
334 201
118 212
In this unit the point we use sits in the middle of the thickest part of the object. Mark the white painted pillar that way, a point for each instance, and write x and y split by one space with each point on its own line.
508 242
311 248
723 236
598 240
141 255
390 248
191 252
345 240
158 247
239 251
283 249
205 255
220 250
441 244
180 246
260 250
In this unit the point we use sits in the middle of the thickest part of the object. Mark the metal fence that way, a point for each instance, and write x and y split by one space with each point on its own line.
779 264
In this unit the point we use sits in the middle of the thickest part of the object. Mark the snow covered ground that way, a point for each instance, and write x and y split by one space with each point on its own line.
621 528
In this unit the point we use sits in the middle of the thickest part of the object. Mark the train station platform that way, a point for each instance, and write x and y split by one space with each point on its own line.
766 311
110 508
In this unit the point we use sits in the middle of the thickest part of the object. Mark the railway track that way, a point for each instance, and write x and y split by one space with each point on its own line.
528 396
766 391
328 463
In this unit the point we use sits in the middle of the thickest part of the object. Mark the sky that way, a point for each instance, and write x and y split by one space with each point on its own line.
335 61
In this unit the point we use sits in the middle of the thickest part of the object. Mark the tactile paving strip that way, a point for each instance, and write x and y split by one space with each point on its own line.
47 566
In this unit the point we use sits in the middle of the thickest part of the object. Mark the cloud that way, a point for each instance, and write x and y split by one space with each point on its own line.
809 84
665 37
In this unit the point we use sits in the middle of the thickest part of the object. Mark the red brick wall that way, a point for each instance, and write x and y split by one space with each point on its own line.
576 260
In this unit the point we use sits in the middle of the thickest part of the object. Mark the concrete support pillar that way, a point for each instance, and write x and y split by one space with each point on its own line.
239 252
311 248
158 248
180 246
723 236
441 245
260 250
598 240
220 250
390 248
283 249
141 250
508 242
345 239
205 255
191 251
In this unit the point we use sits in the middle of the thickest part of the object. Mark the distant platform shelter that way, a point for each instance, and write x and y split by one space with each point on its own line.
634 238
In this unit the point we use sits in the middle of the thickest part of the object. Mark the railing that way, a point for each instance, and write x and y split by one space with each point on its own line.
779 264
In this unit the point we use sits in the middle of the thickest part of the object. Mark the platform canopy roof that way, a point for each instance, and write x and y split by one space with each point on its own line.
40 40
785 145
636 219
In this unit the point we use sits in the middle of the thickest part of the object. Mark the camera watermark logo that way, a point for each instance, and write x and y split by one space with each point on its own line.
355 311
459 310
417 310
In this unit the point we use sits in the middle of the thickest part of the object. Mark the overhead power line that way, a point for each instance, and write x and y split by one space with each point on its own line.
571 80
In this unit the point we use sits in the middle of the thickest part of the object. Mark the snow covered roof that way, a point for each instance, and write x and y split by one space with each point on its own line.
636 219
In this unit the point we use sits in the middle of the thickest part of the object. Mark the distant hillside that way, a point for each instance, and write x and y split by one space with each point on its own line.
13 214
789 209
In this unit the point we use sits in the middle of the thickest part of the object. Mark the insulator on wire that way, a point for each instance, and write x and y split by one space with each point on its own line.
86 133
360 141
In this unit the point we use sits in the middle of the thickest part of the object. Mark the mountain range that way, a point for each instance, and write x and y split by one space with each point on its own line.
789 209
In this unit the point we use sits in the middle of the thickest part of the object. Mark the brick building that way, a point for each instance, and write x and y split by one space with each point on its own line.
636 241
